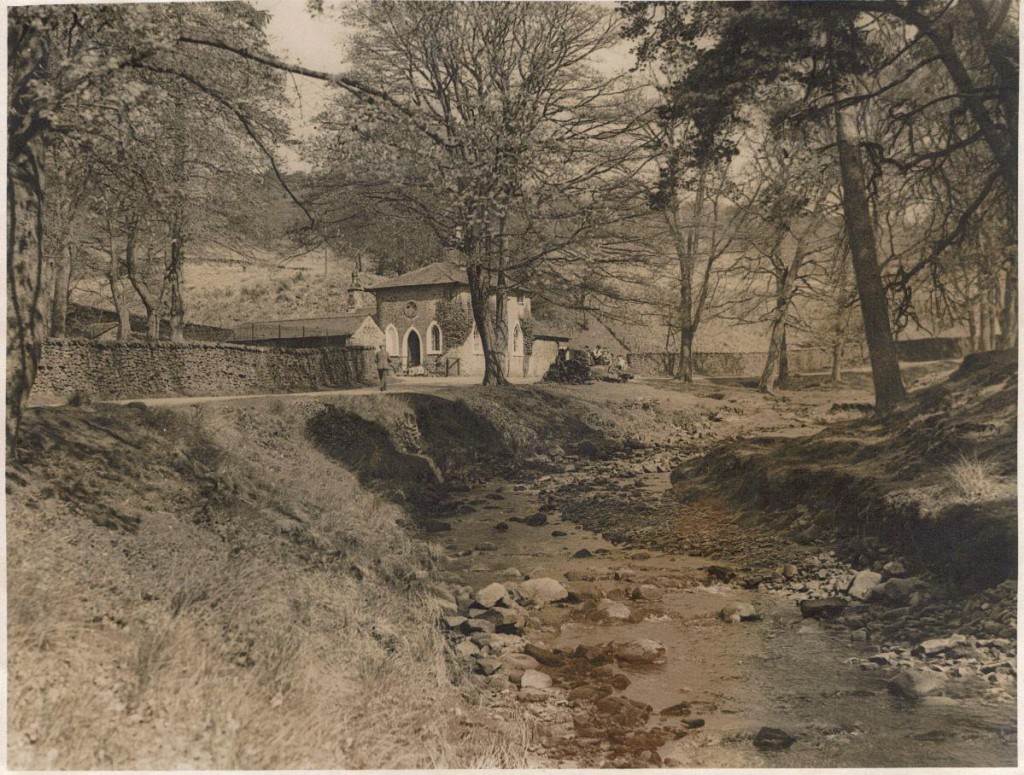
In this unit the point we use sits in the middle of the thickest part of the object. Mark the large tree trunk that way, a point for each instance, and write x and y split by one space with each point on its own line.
773 365
149 300
993 341
885 366
61 290
687 330
684 365
115 279
784 361
837 361
176 283
29 294
501 332
479 292
778 357
28 280
972 328
1008 312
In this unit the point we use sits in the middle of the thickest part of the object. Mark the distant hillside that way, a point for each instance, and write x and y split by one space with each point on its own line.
223 288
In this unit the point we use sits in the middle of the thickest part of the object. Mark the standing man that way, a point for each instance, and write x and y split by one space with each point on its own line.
383 364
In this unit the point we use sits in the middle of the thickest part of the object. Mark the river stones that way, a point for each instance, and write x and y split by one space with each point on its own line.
897 591
772 739
863 584
610 609
640 651
466 649
477 625
535 679
543 590
829 608
647 592
736 612
521 662
935 646
915 684
491 595
542 655
488 665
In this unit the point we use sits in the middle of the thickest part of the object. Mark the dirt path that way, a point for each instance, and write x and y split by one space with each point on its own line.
395 385
811 679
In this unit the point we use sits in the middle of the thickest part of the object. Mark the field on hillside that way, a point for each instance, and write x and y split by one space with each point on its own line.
226 289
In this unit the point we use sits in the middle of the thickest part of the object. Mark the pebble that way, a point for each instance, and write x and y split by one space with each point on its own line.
737 612
915 684
612 609
772 739
863 584
488 665
534 679
642 650
491 595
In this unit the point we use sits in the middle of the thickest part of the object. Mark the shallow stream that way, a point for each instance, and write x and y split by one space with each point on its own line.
802 676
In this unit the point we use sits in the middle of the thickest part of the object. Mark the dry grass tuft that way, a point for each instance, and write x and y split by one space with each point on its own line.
973 480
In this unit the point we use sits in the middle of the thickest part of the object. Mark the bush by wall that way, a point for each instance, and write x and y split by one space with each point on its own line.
113 370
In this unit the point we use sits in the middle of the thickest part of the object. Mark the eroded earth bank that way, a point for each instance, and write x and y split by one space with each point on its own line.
603 575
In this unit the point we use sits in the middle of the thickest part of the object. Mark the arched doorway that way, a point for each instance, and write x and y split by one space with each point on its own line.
412 349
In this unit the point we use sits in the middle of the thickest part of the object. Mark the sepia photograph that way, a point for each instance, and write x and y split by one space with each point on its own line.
511 385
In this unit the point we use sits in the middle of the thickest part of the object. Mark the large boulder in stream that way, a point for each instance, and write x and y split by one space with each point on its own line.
541 591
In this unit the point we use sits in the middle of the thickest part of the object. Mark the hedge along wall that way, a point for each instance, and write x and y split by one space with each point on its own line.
736 364
111 370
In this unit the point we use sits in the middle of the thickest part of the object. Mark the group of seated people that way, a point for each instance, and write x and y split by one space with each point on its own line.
601 357
597 357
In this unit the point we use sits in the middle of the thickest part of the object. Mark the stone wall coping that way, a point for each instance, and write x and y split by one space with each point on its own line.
188 345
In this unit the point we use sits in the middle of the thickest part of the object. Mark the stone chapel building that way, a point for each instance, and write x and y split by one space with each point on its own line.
428 326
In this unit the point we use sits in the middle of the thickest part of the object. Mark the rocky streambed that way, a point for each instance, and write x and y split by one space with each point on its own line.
634 631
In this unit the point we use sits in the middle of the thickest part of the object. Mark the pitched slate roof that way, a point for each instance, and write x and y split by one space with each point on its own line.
549 331
339 325
438 273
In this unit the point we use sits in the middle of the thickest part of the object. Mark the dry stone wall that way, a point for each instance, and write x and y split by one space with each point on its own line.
117 370
736 364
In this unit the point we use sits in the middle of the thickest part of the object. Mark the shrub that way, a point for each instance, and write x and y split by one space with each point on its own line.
455 321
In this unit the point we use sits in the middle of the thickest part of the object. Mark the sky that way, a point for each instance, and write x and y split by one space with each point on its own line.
314 41
318 42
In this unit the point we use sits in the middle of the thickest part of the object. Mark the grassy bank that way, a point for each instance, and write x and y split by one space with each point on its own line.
206 588
936 480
